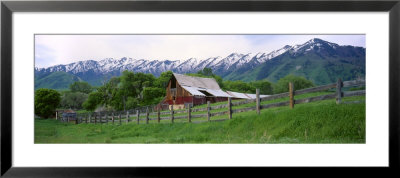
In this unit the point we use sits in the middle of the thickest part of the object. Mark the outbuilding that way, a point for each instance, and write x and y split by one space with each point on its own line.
69 115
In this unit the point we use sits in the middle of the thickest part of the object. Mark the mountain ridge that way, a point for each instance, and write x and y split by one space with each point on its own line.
232 67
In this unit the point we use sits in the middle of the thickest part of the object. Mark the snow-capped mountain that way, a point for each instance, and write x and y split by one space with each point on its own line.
91 70
156 67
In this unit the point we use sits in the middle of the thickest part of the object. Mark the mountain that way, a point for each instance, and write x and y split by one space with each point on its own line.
318 60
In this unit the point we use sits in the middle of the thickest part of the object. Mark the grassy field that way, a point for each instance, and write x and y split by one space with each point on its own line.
317 122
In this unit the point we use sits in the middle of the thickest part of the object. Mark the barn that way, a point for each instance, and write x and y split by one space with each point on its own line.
183 90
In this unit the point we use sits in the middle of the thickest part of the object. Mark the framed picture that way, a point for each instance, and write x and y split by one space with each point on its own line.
341 49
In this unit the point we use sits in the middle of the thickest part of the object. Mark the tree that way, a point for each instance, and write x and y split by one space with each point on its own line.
152 95
163 80
132 103
73 100
299 83
239 86
108 91
206 72
264 86
82 87
94 99
46 102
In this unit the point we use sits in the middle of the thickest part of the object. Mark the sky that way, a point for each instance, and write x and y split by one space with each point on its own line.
52 50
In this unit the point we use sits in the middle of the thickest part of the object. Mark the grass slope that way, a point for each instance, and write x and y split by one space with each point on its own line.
56 80
318 122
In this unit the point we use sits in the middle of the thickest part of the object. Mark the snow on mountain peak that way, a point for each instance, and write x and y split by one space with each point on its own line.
233 60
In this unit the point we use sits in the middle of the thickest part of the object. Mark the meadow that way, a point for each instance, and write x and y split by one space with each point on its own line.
316 122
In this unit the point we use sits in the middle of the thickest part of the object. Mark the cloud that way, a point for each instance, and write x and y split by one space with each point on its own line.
63 49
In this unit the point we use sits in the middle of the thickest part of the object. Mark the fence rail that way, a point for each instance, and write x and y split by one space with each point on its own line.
143 114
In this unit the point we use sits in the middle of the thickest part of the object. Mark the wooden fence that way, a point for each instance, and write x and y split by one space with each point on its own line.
144 116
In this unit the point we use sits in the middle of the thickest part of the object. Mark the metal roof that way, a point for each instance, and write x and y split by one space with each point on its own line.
194 84
196 91
193 91
244 95
198 82
219 93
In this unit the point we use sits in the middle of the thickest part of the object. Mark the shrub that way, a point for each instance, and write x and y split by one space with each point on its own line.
46 102
299 83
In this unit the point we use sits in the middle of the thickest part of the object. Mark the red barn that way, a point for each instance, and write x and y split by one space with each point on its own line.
183 90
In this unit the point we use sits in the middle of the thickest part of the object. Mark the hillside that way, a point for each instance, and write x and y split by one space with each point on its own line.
55 80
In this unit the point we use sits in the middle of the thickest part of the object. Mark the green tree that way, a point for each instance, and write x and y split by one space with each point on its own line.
73 100
163 80
93 101
206 72
132 103
82 87
239 86
264 86
46 102
152 95
108 91
299 83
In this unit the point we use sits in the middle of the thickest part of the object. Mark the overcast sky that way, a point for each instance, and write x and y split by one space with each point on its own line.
64 49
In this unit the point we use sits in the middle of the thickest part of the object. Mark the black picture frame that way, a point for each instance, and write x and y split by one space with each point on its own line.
8 7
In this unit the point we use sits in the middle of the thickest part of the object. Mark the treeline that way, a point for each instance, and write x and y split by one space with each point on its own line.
132 90
266 87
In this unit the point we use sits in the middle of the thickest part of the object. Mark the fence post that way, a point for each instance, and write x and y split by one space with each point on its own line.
291 95
127 117
138 115
119 117
95 118
339 86
208 111
230 108
147 115
172 113
106 118
258 100
86 117
189 114
112 118
90 117
158 115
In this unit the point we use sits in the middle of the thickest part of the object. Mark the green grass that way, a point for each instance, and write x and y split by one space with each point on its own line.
317 122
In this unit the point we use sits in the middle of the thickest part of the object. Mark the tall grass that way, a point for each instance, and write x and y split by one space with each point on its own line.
317 122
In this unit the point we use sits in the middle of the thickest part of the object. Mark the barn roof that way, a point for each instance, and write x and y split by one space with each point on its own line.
195 86
244 95
197 82
69 111
198 91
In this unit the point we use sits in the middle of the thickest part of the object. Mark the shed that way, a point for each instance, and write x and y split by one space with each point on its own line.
69 115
